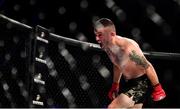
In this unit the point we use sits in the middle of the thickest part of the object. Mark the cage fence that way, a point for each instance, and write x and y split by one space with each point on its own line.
15 48
39 69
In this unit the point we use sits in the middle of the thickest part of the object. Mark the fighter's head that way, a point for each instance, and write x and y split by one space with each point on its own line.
104 30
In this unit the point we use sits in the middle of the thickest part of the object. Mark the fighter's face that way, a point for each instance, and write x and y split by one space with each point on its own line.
101 36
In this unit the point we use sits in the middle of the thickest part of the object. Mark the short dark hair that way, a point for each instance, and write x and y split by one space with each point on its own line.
104 22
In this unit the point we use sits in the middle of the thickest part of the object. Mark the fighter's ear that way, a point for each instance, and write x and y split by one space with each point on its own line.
113 33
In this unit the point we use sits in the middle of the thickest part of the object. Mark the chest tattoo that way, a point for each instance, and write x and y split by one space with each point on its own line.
139 60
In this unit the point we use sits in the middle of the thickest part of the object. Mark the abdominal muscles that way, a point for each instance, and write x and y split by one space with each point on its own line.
131 70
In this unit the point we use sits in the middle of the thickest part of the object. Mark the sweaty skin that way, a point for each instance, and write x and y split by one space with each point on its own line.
128 57
128 60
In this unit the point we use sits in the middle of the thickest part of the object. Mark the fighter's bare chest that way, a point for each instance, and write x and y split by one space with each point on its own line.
117 55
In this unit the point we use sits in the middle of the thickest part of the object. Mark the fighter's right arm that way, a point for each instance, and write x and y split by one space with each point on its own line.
113 93
116 74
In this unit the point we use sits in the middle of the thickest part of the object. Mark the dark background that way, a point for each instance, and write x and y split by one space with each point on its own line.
154 24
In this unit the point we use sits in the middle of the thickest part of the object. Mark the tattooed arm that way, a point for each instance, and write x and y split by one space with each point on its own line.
139 60
142 61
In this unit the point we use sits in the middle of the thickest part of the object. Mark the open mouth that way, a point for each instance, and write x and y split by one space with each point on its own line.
100 44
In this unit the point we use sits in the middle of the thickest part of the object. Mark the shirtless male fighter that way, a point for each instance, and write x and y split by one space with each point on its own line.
128 61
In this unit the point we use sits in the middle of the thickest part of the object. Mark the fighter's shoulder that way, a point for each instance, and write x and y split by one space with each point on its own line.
128 41
132 42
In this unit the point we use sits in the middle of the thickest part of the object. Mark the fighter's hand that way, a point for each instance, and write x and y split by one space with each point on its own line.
158 93
113 93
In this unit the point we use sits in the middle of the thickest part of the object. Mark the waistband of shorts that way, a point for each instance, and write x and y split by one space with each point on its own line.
144 76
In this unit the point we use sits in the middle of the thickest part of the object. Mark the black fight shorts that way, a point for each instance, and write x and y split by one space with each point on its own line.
139 88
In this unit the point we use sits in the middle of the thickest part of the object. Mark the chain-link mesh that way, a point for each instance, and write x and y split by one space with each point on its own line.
65 75
14 65
74 77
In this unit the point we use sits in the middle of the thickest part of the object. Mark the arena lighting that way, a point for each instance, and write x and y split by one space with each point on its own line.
84 83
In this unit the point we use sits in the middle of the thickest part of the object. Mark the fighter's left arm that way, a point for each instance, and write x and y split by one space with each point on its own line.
138 57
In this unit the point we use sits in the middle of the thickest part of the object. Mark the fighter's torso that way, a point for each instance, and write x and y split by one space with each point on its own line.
122 57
